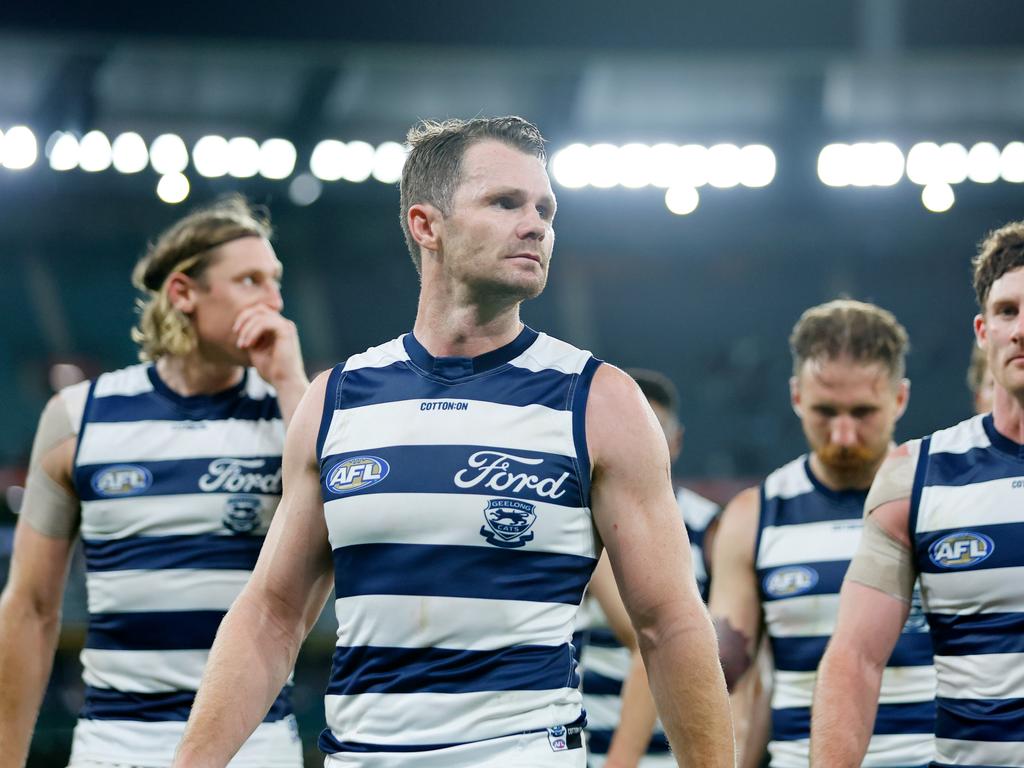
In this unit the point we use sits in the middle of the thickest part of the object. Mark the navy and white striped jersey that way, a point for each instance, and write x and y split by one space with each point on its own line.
456 499
967 523
807 536
605 662
176 496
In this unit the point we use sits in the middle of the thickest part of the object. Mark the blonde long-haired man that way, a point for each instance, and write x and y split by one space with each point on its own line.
170 470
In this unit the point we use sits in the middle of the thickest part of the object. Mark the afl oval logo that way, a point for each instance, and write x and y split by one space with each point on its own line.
122 480
790 581
961 549
356 474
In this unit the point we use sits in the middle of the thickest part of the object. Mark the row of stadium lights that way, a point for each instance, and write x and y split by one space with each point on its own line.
681 170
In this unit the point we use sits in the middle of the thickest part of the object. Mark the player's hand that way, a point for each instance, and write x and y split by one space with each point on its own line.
272 343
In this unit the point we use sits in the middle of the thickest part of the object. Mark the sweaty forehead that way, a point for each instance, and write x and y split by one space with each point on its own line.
488 164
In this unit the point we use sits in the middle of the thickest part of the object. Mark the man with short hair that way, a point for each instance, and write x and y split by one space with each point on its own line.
946 510
460 479
171 471
782 548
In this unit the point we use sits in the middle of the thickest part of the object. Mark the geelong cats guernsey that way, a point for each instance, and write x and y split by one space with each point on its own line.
176 494
808 534
605 663
967 524
456 500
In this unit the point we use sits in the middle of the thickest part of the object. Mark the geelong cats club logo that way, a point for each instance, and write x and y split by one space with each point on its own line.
508 522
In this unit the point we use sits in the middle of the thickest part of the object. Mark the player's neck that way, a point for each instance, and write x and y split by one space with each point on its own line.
191 374
450 326
1008 414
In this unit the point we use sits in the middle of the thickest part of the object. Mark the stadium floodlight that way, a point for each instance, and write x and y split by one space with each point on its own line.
874 164
172 188
953 162
925 163
682 200
983 163
938 196
328 160
305 189
168 154
210 156
1011 162
694 166
388 161
724 165
20 149
129 153
63 151
359 158
243 157
665 162
95 152
634 166
571 166
277 159
604 166
834 163
757 166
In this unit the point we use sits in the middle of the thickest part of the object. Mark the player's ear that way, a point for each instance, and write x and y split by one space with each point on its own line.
794 395
980 331
181 292
426 225
902 397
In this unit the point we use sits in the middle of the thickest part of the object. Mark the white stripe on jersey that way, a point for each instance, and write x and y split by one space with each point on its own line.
410 621
550 354
989 753
808 542
180 514
966 592
788 481
803 616
175 589
793 754
980 676
143 671
400 719
960 438
991 503
133 380
117 442
380 356
527 427
395 518
900 685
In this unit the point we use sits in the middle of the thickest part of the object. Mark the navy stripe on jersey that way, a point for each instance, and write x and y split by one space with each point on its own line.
980 719
580 394
811 507
602 637
1005 554
802 654
596 684
978 465
794 723
373 669
208 551
108 704
432 469
152 407
459 571
400 381
177 476
973 633
829 574
599 741
153 630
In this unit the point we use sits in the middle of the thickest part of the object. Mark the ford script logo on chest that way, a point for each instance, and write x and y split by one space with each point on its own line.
496 471
240 476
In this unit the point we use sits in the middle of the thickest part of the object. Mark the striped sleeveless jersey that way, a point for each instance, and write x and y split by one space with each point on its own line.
807 536
967 524
176 496
605 663
456 501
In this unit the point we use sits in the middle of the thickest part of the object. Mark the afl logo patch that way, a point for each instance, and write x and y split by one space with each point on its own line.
356 474
961 549
122 480
508 522
790 581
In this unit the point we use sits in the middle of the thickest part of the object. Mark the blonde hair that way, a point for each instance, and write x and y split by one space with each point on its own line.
190 247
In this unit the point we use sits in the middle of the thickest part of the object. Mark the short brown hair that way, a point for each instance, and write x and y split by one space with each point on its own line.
1000 252
433 169
857 330
189 246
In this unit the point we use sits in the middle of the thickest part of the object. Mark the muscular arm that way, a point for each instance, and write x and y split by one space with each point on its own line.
734 602
636 513
31 601
259 639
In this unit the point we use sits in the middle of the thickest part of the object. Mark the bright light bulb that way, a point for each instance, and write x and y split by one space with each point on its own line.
757 166
129 153
1011 162
64 152
168 154
665 164
20 148
682 200
210 156
243 157
172 188
954 163
924 163
571 166
938 197
277 159
983 163
388 161
604 166
724 166
634 166
95 153
358 161
327 160
694 168
834 165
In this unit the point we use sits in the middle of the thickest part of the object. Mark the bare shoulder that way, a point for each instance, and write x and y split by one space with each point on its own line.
619 420
737 528
305 424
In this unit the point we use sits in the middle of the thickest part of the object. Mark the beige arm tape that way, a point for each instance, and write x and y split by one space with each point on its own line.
48 507
883 562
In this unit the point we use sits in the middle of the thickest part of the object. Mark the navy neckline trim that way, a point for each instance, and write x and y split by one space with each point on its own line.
1000 441
196 402
460 367
845 495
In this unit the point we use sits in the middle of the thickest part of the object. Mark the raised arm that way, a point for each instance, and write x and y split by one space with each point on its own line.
637 517
734 603
259 639
31 601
